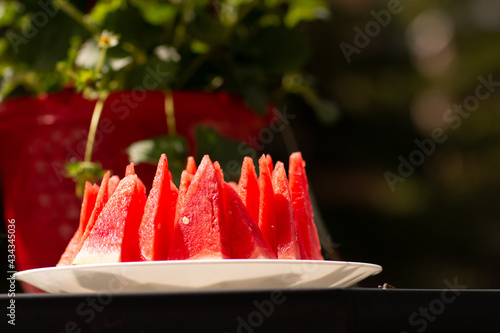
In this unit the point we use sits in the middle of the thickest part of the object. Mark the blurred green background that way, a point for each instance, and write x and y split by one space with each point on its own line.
398 85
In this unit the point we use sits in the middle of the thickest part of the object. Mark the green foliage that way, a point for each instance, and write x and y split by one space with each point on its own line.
247 45
82 172
225 151
149 151
239 46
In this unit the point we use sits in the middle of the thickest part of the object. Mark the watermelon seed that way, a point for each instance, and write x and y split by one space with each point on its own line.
185 220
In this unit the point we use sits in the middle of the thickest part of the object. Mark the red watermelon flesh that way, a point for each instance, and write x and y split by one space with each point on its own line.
116 228
267 219
269 162
130 170
302 208
287 241
197 229
186 179
113 184
191 165
157 223
88 204
101 201
248 188
240 235
234 186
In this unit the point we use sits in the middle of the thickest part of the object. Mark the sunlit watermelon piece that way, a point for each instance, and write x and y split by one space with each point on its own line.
286 224
186 179
113 184
302 208
197 229
234 186
269 162
130 170
248 188
157 223
88 204
240 235
114 237
267 219
191 165
101 201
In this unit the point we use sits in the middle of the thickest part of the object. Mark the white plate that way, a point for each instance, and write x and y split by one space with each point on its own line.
194 275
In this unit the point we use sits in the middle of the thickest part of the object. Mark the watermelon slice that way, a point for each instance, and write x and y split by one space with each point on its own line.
113 184
157 223
240 235
88 204
191 165
248 188
302 208
267 219
197 228
286 224
269 162
114 236
130 170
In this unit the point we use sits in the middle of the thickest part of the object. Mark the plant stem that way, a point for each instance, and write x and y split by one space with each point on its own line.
180 30
100 61
170 112
78 16
96 115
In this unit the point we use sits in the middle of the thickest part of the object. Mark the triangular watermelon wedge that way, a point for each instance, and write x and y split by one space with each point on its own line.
248 188
267 219
88 204
157 223
197 228
302 208
286 224
113 184
191 165
240 234
114 236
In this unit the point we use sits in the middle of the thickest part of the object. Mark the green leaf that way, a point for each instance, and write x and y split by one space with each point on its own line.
225 151
306 10
149 151
103 8
82 172
158 13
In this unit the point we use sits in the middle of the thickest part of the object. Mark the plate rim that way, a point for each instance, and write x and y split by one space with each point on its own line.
199 261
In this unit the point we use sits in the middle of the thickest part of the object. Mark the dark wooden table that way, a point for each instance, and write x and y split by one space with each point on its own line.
316 310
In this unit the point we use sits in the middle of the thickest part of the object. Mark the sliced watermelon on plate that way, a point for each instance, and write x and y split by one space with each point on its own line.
302 208
88 204
157 223
286 224
117 226
267 219
240 235
248 188
197 228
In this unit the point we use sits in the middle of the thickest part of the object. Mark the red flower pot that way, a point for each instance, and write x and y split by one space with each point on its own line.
39 135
